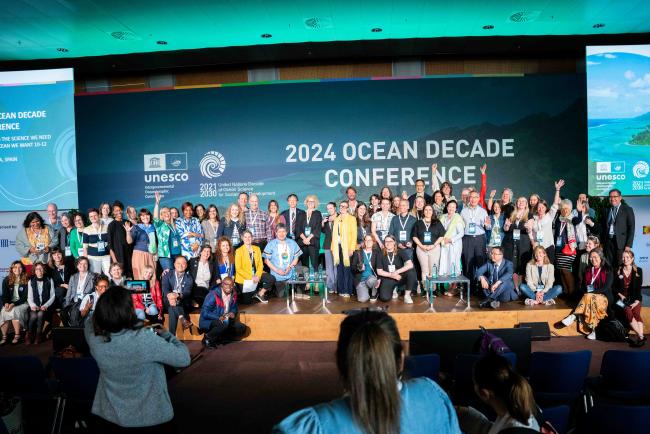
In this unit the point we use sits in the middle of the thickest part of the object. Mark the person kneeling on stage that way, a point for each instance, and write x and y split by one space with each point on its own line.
219 315
397 270
495 278
365 262
249 271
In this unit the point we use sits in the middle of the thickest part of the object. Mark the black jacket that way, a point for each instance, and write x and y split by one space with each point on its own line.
357 262
314 223
634 291
53 274
193 269
7 293
623 226
300 215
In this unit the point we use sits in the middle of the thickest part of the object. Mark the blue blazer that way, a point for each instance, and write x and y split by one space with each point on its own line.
504 274
169 282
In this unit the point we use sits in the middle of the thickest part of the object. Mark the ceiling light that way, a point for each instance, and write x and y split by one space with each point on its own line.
377 30
62 50
161 42
488 27
266 35
598 25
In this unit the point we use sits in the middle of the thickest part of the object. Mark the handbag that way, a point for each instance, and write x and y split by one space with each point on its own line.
568 250
491 343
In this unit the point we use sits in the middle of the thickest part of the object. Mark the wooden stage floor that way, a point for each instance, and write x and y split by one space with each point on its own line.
308 320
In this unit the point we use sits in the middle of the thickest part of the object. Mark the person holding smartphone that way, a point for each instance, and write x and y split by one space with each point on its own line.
89 302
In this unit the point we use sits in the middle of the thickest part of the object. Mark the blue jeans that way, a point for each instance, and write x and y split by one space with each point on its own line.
551 294
167 263
150 310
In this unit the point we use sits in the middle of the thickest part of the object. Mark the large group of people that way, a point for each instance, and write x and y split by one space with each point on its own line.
509 249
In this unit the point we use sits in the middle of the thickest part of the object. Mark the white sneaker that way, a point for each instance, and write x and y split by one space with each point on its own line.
530 302
550 302
569 320
408 299
592 336
395 294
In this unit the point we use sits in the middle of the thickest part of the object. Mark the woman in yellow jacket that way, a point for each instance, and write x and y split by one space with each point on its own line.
344 242
249 272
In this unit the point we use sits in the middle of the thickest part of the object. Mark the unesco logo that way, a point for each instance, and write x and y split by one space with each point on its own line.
640 169
212 165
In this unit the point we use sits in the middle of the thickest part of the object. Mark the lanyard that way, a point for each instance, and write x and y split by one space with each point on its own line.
472 215
384 221
594 277
369 258
426 226
308 217
562 226
214 227
390 259
254 218
177 287
403 225
613 215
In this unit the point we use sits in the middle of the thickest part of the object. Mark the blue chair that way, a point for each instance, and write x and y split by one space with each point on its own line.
24 376
463 378
558 378
628 419
77 384
624 376
425 365
558 417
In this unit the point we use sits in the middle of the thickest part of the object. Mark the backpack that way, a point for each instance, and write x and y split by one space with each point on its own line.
491 343
611 330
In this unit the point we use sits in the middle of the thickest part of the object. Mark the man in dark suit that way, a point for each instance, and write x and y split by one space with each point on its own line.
495 278
291 216
177 294
617 229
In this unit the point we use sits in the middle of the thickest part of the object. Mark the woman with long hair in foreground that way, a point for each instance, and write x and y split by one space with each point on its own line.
370 359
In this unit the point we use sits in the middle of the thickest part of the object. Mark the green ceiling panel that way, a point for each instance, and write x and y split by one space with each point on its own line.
35 29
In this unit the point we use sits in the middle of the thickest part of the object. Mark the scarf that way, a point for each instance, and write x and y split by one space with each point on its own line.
454 221
570 231
41 236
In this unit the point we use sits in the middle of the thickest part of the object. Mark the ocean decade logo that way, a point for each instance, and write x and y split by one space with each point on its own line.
212 165
640 169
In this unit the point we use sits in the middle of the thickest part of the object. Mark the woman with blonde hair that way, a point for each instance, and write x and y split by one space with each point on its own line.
370 360
516 241
308 226
540 276
232 225
597 296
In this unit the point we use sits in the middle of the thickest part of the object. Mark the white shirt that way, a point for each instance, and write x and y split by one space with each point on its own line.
203 274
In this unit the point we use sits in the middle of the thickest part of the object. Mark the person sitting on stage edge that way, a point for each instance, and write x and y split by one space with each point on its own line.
249 274
281 255
397 269
150 304
89 301
495 278
597 296
540 276
365 262
203 270
177 294
627 293
219 314
370 360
